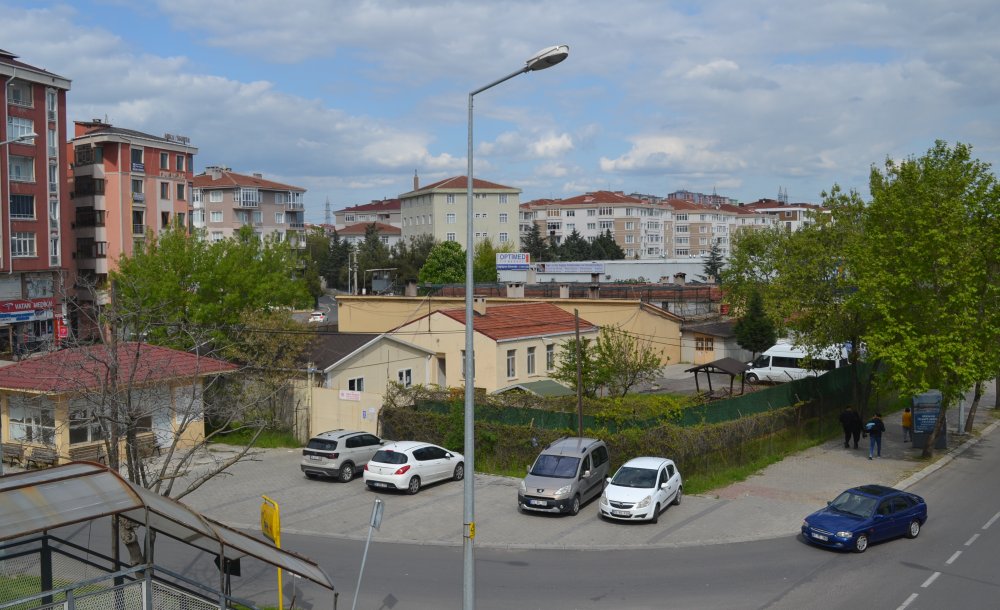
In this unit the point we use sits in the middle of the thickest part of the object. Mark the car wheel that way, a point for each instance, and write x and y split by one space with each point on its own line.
677 497
861 543
414 486
312 475
914 529
346 472
459 472
656 514
574 508
753 379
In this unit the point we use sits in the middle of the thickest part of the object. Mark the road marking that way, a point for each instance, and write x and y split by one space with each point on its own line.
990 522
953 557
931 579
909 600
971 540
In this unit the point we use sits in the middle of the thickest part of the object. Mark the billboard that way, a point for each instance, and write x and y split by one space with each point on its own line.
570 267
513 261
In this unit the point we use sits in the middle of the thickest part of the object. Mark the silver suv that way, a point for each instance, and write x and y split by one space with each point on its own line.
339 453
567 473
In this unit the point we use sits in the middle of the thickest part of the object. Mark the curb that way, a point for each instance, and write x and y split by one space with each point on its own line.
916 477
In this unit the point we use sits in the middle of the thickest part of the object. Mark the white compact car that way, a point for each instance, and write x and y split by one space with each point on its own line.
317 316
641 489
410 465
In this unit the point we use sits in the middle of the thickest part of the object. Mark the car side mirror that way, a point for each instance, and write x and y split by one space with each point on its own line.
528 468
664 485
608 480
586 473
448 456
829 502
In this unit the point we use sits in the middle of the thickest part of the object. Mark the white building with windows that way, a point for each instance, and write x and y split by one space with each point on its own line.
439 209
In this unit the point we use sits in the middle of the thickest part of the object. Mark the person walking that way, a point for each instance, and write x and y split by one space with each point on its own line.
907 425
874 429
851 422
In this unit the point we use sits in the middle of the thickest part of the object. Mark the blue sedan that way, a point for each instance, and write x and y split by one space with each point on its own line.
866 514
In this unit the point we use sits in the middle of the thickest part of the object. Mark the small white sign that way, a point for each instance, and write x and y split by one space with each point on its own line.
350 395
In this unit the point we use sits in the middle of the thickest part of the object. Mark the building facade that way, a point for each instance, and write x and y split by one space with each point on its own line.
439 209
223 202
35 254
385 212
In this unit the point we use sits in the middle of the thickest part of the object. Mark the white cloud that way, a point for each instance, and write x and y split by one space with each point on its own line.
673 154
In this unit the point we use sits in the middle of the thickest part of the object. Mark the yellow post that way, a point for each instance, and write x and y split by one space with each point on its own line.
270 526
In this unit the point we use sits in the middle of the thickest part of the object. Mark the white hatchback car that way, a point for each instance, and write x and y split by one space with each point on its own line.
317 316
641 489
410 465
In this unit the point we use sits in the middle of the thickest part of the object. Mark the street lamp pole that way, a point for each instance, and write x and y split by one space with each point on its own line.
545 58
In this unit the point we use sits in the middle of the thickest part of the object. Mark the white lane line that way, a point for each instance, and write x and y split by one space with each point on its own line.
990 522
909 600
953 557
971 540
930 580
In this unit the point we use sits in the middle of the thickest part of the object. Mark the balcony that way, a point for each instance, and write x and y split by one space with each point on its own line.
295 205
296 225
139 198
138 229
248 204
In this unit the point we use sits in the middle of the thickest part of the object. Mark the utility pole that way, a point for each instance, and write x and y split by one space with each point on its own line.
579 376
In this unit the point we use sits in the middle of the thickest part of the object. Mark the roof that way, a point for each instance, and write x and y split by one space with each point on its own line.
386 205
595 198
460 183
106 129
545 388
722 329
330 349
875 490
651 463
41 500
362 227
6 57
85 368
569 445
731 366
230 179
521 321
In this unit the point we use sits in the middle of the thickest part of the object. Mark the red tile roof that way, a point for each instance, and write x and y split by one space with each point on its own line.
85 368
521 321
230 179
461 183
386 205
361 227
683 205
596 198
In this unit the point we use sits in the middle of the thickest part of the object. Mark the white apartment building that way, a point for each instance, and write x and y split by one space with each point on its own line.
792 216
439 209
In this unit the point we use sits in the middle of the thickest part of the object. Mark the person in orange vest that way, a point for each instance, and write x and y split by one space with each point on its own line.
907 425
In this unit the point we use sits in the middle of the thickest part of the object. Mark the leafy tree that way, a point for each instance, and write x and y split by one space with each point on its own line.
752 268
372 253
606 248
445 264
565 370
484 260
625 360
409 256
755 331
714 263
534 244
574 247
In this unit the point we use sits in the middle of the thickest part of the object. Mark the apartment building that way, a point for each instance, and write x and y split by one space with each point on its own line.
356 233
439 209
126 185
792 216
224 201
35 261
386 211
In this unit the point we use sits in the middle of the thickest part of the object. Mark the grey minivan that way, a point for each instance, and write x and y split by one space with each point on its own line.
566 474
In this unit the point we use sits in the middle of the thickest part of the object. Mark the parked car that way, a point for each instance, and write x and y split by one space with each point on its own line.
641 489
410 465
317 316
339 453
866 514
565 475
787 362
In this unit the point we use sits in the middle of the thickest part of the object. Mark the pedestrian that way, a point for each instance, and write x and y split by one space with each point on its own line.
851 422
874 429
907 425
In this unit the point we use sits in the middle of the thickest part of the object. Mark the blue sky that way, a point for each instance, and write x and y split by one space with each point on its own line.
348 99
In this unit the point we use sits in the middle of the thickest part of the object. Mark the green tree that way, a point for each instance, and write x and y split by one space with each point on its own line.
409 256
605 248
445 264
574 247
565 370
338 263
534 244
484 261
624 360
752 267
713 264
372 254
755 331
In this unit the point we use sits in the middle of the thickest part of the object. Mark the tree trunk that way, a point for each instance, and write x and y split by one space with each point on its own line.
975 405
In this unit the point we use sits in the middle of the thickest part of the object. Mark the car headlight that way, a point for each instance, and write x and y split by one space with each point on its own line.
644 502
523 488
562 491
845 534
805 524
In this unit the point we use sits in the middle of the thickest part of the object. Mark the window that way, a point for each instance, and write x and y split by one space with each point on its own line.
681 229
591 212
215 196
591 226
32 419
216 236
449 237
52 142
216 216
258 217
164 190
704 344
570 213
550 357
630 239
504 237
503 198
22 245
531 361
50 104
405 377
681 240
356 385
164 160
137 164
349 218
19 94
511 363
84 426
180 163
606 224
22 207
630 225
450 198
138 222
681 217
681 252
450 218
22 169
503 218
180 192
249 197
606 212
279 218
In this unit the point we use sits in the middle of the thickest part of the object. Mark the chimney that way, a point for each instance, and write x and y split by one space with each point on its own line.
416 181
214 171
260 176
515 290
563 291
479 306
411 288
679 278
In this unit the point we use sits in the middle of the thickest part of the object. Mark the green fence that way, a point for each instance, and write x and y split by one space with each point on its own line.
831 388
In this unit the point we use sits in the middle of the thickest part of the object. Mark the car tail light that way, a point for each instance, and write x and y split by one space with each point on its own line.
402 470
334 456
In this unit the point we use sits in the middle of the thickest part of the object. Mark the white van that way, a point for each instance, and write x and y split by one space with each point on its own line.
786 362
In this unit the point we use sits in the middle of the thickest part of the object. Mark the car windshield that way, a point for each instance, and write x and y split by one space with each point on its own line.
320 444
854 504
634 477
558 466
386 456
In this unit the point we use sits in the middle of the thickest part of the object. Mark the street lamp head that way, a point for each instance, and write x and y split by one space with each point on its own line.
546 58
27 136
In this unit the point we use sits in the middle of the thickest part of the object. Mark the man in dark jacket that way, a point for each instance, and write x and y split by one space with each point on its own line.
874 429
851 422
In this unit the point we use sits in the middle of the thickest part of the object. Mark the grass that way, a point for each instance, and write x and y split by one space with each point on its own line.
268 439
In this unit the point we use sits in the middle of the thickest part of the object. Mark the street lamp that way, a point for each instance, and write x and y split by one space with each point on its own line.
545 58
21 138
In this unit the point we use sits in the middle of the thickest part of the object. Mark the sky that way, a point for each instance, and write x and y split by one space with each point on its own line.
348 99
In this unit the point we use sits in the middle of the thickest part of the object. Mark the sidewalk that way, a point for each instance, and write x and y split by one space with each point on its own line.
767 505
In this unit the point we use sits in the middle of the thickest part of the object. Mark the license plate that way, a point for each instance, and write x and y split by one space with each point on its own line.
620 513
820 537
315 457
379 484
537 502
